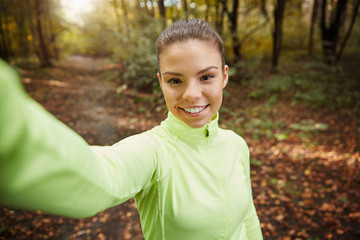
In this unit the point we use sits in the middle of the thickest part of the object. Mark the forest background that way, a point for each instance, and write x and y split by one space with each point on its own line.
294 95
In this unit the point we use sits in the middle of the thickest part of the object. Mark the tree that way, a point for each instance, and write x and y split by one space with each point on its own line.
330 26
237 38
264 13
5 49
126 19
278 31
233 16
114 3
44 54
28 27
207 9
314 17
353 19
22 32
263 9
162 11
220 15
150 8
50 26
186 10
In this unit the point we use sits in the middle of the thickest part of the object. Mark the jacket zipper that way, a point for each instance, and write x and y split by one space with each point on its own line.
227 220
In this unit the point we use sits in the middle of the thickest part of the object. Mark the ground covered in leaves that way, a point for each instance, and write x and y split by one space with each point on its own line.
305 161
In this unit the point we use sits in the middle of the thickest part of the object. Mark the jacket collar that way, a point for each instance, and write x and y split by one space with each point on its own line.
188 134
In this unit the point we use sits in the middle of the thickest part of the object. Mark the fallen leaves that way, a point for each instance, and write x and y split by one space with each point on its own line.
354 215
305 187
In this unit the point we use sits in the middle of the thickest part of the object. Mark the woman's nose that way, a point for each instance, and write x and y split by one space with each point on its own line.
192 91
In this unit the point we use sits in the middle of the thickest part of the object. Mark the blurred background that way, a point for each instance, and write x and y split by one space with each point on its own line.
123 30
294 95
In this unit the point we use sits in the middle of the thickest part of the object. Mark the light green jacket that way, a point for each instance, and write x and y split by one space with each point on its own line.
188 183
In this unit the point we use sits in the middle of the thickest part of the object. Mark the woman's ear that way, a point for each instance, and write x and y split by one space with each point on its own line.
159 78
225 75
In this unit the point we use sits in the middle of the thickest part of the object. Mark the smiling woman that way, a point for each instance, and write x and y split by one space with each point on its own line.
73 10
192 89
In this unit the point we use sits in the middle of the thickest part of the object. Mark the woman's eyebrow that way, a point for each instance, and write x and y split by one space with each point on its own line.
200 72
207 69
173 73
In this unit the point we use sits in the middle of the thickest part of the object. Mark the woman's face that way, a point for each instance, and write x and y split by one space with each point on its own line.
192 79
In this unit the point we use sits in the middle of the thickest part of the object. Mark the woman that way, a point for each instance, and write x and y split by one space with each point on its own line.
190 179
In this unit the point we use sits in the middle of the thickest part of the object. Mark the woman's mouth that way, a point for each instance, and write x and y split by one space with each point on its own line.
194 110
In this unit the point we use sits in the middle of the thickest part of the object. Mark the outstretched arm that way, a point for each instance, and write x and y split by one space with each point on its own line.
44 165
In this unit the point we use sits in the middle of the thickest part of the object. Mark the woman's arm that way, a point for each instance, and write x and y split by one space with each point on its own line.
44 165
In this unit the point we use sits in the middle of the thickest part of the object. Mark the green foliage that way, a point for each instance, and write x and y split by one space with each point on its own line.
3 229
138 54
322 85
255 162
309 126
272 100
109 75
279 84
257 93
264 126
134 47
272 88
96 38
243 71
314 83
281 136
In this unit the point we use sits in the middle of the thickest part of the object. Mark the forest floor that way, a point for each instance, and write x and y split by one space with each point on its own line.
305 161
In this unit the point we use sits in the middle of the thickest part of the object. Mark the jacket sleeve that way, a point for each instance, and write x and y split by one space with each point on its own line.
46 166
253 229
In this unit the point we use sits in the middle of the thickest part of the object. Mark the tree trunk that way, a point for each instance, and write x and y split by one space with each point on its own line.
277 34
126 21
52 41
31 21
150 9
50 36
330 34
4 50
173 13
44 55
186 10
258 27
312 26
162 11
233 29
207 3
117 15
353 19
263 9
22 34
220 19
217 15
7 35
138 5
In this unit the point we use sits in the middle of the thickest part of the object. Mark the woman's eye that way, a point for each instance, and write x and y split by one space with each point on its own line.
206 77
174 81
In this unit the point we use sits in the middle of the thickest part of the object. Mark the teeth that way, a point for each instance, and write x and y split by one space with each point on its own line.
194 110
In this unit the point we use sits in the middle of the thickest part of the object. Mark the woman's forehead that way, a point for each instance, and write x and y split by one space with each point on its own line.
189 43
190 50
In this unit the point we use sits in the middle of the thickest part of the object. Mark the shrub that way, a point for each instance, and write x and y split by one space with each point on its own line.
138 55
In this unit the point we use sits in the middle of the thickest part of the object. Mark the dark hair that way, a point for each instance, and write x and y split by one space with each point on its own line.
184 30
